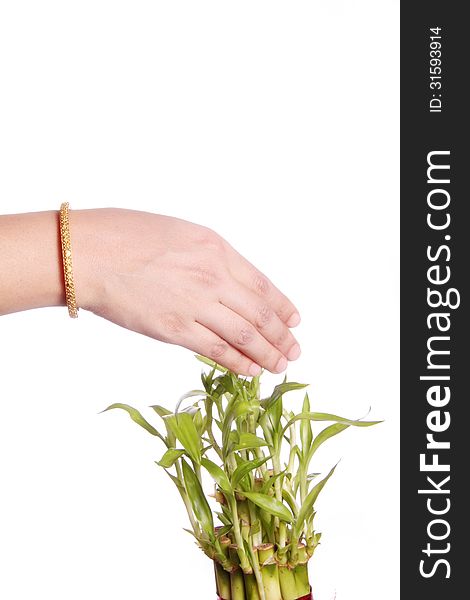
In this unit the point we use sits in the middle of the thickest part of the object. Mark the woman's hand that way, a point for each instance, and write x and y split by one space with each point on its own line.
183 284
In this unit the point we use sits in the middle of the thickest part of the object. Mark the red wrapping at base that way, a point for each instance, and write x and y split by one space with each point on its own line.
307 597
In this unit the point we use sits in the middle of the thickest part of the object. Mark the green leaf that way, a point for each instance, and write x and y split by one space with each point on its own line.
324 435
224 519
211 363
199 422
198 500
318 416
217 474
221 531
244 468
182 425
192 533
242 408
270 482
279 390
267 521
270 505
160 410
267 428
178 483
289 498
249 440
306 435
227 424
136 417
307 506
274 413
163 412
169 458
255 527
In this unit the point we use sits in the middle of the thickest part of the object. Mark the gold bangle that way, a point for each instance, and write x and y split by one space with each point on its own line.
67 260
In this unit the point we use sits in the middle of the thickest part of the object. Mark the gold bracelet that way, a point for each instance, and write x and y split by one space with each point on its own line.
67 260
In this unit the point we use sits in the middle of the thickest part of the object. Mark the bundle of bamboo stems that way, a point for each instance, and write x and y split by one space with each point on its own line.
258 455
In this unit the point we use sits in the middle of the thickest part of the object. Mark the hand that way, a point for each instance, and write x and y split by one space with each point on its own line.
183 284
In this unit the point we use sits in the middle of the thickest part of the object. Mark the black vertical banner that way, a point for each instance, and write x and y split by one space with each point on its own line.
435 352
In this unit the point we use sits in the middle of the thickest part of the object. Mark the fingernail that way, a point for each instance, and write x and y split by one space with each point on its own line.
281 365
294 320
294 352
254 370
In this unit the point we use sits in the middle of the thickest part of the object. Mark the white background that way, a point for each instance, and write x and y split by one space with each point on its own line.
276 124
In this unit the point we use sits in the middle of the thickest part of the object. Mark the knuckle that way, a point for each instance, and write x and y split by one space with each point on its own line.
261 284
211 240
283 337
172 323
264 315
218 349
271 358
240 363
205 275
244 336
285 310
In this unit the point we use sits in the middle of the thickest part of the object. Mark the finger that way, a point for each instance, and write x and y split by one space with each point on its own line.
241 334
257 282
209 344
260 314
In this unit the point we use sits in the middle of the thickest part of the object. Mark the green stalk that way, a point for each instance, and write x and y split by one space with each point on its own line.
301 580
237 581
222 546
288 583
208 403
251 588
303 484
244 515
256 573
256 538
269 572
292 453
187 503
263 469
280 525
244 563
237 585
222 578
301 572
213 441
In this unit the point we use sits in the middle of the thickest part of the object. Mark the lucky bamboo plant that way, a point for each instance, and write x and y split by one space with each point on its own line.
258 455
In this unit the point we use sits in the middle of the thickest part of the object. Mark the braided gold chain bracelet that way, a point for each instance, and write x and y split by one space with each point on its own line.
67 260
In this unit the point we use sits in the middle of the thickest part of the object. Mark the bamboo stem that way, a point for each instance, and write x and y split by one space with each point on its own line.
288 583
251 588
257 572
301 572
237 585
187 503
245 565
244 514
303 485
269 572
280 525
222 578
256 538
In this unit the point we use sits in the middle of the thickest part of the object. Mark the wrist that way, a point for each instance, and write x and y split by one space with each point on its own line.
87 236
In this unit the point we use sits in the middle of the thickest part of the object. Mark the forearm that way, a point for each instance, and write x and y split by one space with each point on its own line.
30 262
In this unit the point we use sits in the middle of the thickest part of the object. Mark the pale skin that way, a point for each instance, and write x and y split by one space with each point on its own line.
163 277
